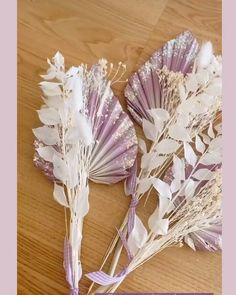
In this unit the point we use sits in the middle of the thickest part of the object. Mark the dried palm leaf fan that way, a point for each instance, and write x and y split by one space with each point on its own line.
86 135
151 87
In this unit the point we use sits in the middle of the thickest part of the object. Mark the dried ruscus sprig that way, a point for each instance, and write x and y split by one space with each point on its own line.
196 214
184 136
86 135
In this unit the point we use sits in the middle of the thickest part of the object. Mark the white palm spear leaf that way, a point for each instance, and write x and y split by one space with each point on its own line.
173 114
86 135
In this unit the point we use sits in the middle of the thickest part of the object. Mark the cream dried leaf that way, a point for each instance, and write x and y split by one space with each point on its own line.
46 152
51 88
178 132
60 169
49 116
203 174
138 236
151 161
150 130
59 195
200 146
167 146
142 146
189 154
144 185
82 202
47 135
162 187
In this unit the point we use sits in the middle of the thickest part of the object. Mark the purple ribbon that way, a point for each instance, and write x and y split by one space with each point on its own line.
101 277
104 279
130 188
131 216
125 244
68 267
74 291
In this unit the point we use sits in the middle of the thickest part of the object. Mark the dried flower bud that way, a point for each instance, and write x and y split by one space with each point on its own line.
205 55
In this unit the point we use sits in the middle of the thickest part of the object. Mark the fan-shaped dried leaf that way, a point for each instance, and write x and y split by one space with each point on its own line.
145 90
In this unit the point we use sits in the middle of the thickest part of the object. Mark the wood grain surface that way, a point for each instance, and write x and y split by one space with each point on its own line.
85 30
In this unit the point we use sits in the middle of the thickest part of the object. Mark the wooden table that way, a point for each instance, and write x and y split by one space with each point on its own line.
84 31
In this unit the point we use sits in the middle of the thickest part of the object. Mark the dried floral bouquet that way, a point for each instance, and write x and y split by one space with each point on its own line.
176 97
86 135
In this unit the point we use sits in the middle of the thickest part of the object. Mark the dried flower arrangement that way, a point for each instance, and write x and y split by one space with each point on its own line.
86 135
176 97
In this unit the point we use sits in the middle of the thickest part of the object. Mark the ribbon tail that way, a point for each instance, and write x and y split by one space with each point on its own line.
131 216
74 291
68 262
104 279
68 267
125 244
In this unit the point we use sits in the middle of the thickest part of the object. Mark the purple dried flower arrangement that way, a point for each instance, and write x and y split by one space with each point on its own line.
176 98
86 136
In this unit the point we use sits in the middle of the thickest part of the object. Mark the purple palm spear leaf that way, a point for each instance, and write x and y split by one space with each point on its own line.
146 88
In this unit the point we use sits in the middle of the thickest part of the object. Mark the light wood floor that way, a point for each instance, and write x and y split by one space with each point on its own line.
126 30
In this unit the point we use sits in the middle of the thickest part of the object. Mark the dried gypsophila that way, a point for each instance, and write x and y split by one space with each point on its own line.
172 130
86 135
